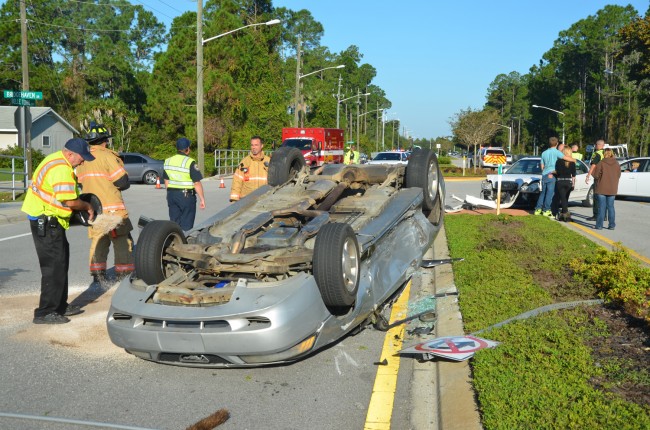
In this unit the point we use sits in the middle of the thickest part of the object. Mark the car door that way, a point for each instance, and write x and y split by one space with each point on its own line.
636 184
134 165
581 189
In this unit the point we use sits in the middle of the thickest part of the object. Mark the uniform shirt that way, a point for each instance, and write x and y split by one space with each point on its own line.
97 177
53 183
184 174
549 157
251 174
577 155
351 157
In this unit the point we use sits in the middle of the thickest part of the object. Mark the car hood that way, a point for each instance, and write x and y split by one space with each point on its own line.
519 179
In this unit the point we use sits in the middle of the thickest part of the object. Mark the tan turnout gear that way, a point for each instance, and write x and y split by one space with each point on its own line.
97 177
250 174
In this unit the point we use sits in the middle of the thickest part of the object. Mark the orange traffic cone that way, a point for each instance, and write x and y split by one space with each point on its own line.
158 182
221 184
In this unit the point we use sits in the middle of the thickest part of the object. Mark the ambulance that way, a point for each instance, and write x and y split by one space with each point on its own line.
318 145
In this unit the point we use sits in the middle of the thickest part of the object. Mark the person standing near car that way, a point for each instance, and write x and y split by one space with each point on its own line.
106 178
575 148
183 182
49 203
565 174
549 158
606 176
252 172
352 156
595 159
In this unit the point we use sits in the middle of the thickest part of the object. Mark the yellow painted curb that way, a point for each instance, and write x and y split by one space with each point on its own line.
591 232
380 409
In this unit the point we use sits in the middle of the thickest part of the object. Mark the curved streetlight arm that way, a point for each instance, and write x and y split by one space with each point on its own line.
326 68
372 111
353 97
548 108
271 22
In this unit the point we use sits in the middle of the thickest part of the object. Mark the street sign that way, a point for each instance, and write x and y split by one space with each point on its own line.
456 348
28 95
22 102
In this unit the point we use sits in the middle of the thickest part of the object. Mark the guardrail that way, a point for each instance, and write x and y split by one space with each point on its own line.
4 185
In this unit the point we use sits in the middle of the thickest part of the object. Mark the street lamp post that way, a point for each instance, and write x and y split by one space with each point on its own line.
557 112
509 135
363 114
199 76
339 101
297 92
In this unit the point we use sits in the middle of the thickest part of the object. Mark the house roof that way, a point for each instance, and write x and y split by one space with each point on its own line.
7 117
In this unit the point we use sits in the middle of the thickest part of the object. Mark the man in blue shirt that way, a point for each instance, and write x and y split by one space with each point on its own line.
549 157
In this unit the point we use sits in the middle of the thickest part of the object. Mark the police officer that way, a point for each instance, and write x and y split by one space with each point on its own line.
252 172
106 178
49 203
183 182
352 156
596 157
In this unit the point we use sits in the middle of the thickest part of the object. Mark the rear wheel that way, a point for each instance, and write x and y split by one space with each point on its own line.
336 266
150 177
154 240
284 165
422 171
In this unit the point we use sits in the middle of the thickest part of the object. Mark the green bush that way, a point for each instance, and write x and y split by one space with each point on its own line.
17 151
444 160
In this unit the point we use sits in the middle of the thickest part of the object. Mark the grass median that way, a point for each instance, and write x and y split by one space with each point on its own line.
587 367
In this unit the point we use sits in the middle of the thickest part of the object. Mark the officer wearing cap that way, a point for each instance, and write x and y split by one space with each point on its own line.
183 182
49 203
106 178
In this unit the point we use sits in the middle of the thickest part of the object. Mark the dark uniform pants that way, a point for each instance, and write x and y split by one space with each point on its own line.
53 253
182 207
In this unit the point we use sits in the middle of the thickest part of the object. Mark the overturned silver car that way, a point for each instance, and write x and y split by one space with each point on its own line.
283 272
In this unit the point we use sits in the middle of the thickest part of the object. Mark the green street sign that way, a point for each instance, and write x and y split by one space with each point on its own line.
29 95
22 102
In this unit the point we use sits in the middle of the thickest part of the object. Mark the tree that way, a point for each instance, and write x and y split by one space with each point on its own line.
475 128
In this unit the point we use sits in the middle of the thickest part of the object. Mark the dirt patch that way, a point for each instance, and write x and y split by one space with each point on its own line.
624 354
85 334
513 212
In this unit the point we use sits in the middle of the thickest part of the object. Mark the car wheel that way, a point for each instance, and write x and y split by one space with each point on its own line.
150 177
589 201
336 264
154 240
284 165
422 171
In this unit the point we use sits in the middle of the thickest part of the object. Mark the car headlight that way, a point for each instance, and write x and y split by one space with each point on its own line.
530 188
486 185
295 351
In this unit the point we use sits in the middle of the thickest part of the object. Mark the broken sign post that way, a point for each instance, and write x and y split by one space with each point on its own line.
499 177
456 348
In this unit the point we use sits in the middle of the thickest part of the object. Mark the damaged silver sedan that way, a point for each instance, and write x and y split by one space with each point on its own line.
283 272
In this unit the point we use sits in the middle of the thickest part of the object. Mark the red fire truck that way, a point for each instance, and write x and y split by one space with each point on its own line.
318 145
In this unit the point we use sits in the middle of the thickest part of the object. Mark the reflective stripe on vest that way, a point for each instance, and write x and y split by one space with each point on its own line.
47 197
178 171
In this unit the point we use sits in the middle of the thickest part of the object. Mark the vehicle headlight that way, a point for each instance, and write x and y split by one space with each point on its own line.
297 350
486 185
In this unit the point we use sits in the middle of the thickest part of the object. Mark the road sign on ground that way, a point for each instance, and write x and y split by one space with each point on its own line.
28 95
22 102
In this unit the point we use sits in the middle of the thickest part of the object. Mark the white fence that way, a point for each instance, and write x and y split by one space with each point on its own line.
227 160
13 184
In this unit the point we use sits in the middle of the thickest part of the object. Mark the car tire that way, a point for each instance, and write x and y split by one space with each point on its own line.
336 263
150 177
154 239
423 172
589 200
284 165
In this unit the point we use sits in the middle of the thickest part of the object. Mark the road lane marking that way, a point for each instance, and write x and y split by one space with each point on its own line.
380 409
632 252
15 237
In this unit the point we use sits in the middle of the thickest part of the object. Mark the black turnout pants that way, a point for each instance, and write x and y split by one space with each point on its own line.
563 189
53 253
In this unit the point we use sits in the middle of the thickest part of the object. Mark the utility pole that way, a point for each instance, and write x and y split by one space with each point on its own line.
25 118
297 90
358 103
338 102
199 87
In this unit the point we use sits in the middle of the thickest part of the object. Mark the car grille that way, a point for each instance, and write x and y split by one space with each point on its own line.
191 358
213 326
509 186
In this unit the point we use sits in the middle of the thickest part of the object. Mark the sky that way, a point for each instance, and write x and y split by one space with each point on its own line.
435 57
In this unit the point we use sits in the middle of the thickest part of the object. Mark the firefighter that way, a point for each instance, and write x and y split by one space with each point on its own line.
49 203
183 182
251 173
106 178
352 156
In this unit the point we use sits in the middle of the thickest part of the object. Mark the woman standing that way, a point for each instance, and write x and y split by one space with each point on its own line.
607 174
565 174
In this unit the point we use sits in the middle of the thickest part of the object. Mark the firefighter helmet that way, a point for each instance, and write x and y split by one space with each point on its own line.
97 134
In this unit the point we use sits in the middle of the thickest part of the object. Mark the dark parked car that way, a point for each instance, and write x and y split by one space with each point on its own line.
142 168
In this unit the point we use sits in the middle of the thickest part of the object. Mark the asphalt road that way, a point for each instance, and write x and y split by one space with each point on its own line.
73 371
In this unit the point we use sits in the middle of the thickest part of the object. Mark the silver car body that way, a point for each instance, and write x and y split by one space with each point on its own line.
520 183
279 320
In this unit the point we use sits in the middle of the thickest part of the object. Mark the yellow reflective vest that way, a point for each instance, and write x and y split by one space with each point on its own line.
177 168
351 157
54 182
